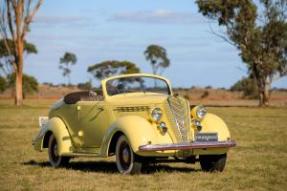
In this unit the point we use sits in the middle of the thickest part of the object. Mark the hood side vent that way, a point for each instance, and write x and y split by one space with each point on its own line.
132 109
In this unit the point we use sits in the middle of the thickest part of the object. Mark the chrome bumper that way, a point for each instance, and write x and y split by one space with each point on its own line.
188 146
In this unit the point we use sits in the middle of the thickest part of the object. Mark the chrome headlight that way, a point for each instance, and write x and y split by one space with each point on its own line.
156 114
200 112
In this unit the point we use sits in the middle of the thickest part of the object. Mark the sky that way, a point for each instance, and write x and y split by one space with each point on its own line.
121 30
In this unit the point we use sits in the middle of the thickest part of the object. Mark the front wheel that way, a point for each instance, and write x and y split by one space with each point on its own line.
212 163
54 158
127 161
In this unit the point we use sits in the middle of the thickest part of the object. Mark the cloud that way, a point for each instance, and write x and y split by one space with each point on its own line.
48 20
160 16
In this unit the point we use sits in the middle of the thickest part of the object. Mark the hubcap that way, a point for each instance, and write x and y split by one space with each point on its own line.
126 155
55 150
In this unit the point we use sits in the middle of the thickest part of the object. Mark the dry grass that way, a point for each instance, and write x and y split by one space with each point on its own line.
220 97
258 163
206 96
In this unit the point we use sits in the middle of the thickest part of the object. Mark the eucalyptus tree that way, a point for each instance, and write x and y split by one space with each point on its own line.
15 19
259 31
112 67
66 62
157 56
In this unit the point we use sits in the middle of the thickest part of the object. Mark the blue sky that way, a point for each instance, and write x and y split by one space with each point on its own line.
121 30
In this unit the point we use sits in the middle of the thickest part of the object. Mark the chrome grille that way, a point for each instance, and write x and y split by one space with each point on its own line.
132 109
180 116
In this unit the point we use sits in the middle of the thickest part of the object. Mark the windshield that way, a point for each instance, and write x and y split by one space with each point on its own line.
137 84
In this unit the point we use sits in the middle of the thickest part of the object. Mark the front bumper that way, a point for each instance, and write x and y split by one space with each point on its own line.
187 146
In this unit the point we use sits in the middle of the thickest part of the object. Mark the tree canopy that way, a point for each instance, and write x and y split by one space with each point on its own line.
66 61
29 48
259 31
246 85
6 57
109 68
157 56
68 58
30 84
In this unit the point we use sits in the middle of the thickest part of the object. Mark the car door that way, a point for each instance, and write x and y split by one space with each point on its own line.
92 122
70 116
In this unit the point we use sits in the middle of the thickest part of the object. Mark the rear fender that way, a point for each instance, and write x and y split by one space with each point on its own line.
58 128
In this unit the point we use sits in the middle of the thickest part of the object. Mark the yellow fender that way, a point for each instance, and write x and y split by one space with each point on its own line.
213 123
138 131
59 130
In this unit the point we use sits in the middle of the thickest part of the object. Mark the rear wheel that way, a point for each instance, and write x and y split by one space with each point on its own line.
54 158
127 161
212 163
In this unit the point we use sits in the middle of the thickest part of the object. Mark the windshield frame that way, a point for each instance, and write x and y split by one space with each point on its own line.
105 81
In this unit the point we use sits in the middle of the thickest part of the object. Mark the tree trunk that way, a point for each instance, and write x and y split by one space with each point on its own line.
19 45
19 74
266 95
69 80
264 92
18 88
263 83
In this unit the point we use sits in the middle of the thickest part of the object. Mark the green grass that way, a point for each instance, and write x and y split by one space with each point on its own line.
259 162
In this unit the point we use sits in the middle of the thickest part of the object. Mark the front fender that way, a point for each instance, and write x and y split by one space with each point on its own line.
58 128
138 130
213 123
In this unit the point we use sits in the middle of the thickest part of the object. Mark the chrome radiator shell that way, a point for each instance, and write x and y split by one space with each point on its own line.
179 115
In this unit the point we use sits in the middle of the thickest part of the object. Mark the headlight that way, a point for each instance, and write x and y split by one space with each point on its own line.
156 114
200 112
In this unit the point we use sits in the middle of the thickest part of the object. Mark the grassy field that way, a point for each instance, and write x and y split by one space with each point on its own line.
259 162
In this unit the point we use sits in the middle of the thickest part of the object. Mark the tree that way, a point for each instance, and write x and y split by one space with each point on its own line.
246 85
109 68
259 33
85 86
157 56
66 61
6 57
15 19
30 84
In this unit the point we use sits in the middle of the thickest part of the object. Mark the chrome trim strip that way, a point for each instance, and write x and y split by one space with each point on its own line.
188 146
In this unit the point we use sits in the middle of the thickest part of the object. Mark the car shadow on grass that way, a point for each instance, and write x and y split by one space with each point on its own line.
110 167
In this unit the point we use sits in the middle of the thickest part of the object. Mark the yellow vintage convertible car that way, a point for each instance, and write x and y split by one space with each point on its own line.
137 118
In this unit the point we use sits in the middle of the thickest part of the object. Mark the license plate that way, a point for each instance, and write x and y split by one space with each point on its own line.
206 137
